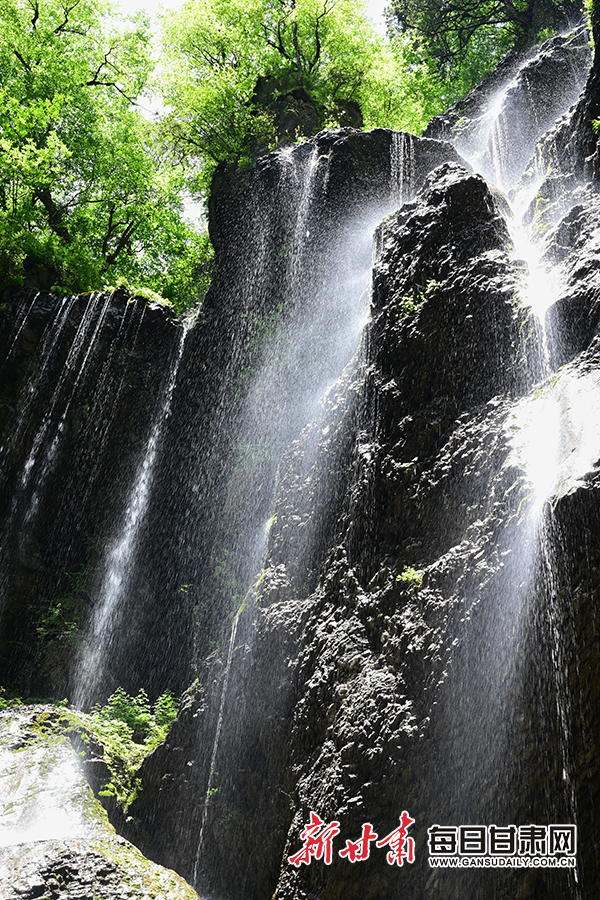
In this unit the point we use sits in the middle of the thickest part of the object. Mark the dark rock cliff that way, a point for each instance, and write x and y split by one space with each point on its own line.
83 381
399 624
79 387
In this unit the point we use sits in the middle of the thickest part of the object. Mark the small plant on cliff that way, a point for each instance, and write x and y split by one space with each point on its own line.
60 617
411 576
6 699
146 723
129 728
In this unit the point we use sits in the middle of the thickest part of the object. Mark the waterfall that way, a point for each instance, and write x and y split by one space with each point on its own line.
362 547
555 437
69 356
215 747
319 310
402 165
120 566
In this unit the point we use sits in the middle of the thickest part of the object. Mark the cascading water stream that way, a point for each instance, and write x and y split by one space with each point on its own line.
402 165
50 340
40 453
556 438
324 309
26 307
213 757
308 317
121 558
77 360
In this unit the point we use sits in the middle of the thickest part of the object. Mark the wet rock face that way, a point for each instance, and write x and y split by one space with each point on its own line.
55 839
574 245
431 483
307 210
81 388
436 253
375 552
531 97
78 390
356 172
568 154
434 611
392 641
383 661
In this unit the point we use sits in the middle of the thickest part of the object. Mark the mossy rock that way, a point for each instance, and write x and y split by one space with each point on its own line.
55 837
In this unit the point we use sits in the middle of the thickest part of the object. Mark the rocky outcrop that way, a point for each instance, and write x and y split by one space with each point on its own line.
573 245
395 633
528 100
431 617
568 157
55 839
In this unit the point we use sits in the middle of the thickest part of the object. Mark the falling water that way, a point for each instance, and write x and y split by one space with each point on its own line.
51 339
402 166
121 558
213 758
76 362
555 439
41 451
321 314
20 321
309 333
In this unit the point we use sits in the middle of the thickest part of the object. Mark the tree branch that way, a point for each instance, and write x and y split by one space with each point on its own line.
36 14
112 258
62 28
326 10
55 217
23 62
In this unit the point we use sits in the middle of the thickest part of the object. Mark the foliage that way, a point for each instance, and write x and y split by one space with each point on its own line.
484 51
410 575
217 52
91 191
129 728
186 278
146 723
60 616
457 32
7 699
86 195
405 305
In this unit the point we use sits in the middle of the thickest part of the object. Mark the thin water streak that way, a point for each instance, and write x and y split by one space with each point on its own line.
121 556
213 758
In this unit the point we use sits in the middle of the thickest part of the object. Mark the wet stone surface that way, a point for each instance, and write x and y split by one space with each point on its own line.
55 839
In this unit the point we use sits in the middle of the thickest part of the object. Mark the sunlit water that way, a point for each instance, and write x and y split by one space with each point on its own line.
120 563
40 788
306 354
555 441
557 433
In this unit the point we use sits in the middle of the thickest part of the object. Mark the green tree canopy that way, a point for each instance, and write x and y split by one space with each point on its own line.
456 31
217 52
86 197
